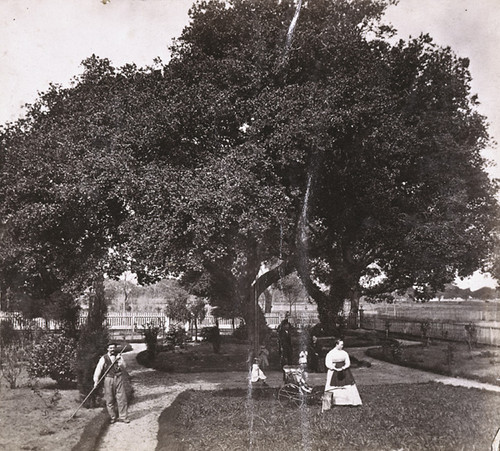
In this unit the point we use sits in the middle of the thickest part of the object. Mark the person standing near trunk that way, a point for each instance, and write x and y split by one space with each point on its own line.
285 343
113 366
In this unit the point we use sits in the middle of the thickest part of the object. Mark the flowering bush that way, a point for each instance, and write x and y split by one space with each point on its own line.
53 356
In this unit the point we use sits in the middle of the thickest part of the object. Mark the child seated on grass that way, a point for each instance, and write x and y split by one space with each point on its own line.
257 374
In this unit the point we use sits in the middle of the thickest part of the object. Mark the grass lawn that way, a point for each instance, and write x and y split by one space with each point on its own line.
194 358
482 363
441 357
394 417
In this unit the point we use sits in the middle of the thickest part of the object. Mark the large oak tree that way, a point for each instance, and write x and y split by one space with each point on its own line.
337 156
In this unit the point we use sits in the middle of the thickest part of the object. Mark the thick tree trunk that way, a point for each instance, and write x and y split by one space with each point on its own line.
354 311
246 293
268 301
3 298
92 342
329 304
258 330
97 305
255 321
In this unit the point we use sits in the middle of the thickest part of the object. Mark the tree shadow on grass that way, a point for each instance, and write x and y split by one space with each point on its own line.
148 397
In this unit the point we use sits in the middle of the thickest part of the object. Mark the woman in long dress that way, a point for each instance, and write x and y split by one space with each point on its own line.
340 388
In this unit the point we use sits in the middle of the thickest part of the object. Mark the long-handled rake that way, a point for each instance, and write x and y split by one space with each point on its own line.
96 385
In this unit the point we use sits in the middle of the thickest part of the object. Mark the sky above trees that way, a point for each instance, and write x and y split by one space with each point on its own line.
45 42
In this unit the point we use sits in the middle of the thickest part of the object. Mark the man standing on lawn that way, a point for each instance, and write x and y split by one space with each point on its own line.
113 367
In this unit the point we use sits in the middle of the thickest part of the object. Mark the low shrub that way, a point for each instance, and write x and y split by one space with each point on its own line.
241 332
150 332
12 364
53 356
449 356
176 336
212 335
8 334
397 351
425 327
471 335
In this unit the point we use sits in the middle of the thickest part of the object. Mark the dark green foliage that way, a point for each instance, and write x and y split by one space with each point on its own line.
66 311
12 363
91 346
92 342
176 335
241 332
346 153
392 350
150 332
212 335
397 351
8 335
449 356
471 335
53 356
382 297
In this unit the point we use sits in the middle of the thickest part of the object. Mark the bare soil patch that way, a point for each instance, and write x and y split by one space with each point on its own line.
36 418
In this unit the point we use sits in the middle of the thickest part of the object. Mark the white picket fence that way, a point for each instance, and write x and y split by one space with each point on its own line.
444 330
134 322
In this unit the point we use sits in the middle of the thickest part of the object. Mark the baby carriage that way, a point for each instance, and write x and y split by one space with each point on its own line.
296 391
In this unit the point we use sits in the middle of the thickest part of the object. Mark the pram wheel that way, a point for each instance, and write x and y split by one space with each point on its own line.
290 395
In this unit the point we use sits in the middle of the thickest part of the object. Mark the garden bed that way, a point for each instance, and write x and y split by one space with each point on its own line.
198 358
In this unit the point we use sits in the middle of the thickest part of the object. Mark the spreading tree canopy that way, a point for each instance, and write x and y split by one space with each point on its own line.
341 156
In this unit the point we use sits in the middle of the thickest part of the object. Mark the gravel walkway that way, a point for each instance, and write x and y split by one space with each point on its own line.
155 391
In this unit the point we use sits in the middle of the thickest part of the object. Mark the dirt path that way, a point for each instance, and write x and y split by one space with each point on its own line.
155 391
